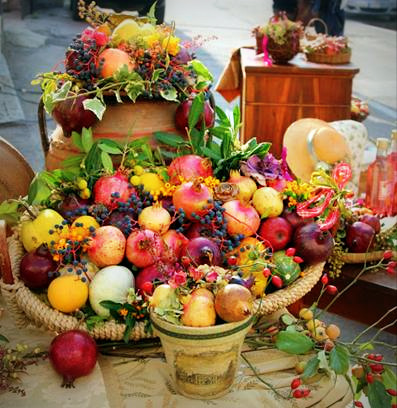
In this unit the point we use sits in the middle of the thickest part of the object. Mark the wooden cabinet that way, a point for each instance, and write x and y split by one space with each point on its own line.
274 97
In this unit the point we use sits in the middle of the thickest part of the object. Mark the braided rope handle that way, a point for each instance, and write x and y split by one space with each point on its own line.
314 20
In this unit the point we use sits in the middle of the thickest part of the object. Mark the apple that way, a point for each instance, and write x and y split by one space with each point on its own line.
278 231
35 268
371 220
359 237
112 59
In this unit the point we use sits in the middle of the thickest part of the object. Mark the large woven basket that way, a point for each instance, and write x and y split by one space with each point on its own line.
336 59
29 308
366 257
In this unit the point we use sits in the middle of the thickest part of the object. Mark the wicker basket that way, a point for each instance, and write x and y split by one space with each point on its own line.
366 257
27 307
321 58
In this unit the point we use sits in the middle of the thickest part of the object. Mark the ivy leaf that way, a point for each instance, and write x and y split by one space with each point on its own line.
63 91
156 74
107 162
201 70
169 94
76 139
95 105
311 367
86 139
196 111
377 395
117 95
9 212
294 342
339 359
134 89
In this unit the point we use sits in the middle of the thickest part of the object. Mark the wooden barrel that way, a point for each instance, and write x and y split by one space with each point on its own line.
121 122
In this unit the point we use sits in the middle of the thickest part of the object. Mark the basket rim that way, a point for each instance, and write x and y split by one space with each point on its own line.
40 314
351 257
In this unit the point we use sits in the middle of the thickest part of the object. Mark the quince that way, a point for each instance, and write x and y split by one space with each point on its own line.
37 231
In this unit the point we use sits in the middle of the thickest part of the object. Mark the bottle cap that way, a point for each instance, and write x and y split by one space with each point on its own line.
382 143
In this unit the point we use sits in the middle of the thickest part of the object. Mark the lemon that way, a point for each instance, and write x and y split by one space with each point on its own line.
81 226
151 182
67 293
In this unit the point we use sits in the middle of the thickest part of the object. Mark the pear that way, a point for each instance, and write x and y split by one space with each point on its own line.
161 293
233 303
199 311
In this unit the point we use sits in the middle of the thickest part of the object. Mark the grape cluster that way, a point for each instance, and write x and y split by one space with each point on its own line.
335 261
82 61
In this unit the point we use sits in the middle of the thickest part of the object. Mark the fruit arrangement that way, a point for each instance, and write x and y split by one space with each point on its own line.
359 109
120 58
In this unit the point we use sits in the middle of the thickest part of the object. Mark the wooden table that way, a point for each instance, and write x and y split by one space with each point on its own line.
274 97
366 301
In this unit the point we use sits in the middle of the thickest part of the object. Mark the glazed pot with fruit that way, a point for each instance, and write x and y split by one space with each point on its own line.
203 360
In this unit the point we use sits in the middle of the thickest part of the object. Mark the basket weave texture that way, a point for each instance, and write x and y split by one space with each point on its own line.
28 308
322 58
366 257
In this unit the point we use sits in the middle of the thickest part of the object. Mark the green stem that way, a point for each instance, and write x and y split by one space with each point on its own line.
373 325
261 379
361 358
382 329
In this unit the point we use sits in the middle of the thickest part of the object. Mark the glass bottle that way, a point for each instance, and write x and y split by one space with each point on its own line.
392 173
377 196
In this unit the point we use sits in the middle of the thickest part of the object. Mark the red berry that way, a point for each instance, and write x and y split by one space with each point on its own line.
331 289
358 404
306 392
185 260
393 405
290 252
266 272
147 287
391 267
378 357
392 392
387 254
296 382
298 393
376 368
232 260
371 356
324 279
370 378
298 259
277 281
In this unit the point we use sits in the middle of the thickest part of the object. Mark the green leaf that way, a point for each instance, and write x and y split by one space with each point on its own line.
311 367
4 338
105 147
9 212
322 357
72 161
366 346
389 378
109 304
377 395
201 70
92 321
76 139
129 325
210 153
339 359
107 162
196 110
62 92
169 139
95 105
38 191
151 12
134 89
169 94
86 139
117 95
222 117
196 138
156 74
294 343
236 116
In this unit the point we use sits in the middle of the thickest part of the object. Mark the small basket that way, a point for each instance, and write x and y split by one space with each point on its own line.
27 307
322 58
366 257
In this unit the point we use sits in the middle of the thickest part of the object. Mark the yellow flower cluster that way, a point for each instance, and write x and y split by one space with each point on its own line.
166 191
297 192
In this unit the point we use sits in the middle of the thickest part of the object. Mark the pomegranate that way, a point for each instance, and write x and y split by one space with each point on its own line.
312 244
156 218
159 272
246 185
193 198
174 242
189 167
72 116
144 248
359 237
123 220
73 354
72 206
241 218
197 229
182 115
108 190
107 247
203 251
371 220
294 219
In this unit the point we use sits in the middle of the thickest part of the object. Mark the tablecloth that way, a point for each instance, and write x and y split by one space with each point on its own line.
119 382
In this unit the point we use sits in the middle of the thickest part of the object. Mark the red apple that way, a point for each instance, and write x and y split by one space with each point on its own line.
276 230
371 220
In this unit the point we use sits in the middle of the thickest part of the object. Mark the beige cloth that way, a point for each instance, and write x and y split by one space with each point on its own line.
146 383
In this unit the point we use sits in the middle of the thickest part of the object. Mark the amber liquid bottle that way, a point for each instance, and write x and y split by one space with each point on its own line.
392 173
377 196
